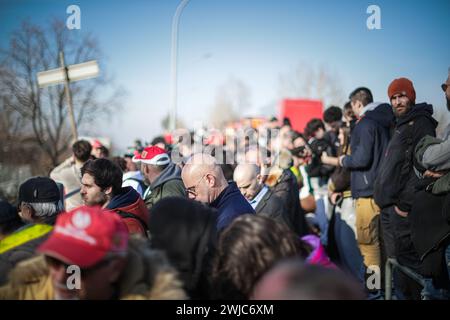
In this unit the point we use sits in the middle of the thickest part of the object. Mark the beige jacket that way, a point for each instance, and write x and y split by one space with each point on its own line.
69 174
147 276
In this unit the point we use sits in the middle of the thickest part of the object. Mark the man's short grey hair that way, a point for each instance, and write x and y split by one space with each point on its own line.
46 209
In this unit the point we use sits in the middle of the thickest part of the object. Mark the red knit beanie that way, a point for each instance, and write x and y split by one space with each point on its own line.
402 85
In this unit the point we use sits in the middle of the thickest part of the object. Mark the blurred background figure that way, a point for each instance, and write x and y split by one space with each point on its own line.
68 173
132 177
186 231
295 280
99 151
247 249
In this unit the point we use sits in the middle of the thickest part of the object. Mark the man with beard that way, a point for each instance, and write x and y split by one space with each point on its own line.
397 178
102 186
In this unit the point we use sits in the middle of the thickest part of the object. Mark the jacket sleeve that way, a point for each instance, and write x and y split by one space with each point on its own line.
437 156
362 150
134 227
422 127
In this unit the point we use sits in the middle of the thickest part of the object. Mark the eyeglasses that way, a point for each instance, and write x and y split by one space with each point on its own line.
191 190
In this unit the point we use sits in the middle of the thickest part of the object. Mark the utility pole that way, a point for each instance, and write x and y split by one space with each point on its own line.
175 24
68 97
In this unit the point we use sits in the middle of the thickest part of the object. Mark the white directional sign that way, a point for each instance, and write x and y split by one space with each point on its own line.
75 72
65 75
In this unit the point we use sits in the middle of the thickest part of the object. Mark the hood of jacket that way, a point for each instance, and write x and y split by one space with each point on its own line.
418 110
171 172
133 175
381 113
129 200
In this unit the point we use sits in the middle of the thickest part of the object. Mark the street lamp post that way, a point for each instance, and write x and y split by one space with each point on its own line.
175 24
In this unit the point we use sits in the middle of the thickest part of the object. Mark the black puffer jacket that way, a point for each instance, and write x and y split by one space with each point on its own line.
396 178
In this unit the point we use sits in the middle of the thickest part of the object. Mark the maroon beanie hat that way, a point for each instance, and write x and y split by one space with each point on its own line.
402 85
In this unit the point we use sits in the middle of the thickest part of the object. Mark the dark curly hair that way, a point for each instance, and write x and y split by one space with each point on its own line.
105 172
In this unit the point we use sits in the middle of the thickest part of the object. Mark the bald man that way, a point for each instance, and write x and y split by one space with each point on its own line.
204 181
250 182
295 280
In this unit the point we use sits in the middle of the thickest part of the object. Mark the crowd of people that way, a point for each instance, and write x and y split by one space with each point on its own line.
255 212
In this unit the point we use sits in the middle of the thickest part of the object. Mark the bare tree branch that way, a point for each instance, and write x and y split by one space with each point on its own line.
43 112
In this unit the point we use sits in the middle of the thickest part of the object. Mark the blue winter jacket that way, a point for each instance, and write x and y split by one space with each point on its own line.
368 142
230 204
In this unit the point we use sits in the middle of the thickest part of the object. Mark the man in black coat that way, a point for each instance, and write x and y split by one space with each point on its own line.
249 181
397 178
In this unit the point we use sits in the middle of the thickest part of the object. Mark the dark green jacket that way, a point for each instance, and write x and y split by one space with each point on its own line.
168 184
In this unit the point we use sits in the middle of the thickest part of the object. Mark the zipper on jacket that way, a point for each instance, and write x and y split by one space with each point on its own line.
434 247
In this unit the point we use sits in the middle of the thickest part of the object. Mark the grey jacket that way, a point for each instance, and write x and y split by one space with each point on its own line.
434 154
436 157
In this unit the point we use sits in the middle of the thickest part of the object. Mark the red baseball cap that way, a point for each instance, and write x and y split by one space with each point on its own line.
153 155
85 235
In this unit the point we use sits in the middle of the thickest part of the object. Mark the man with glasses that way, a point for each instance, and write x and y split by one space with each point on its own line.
90 256
205 182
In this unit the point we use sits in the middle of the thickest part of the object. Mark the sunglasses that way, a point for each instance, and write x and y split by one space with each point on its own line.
444 87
